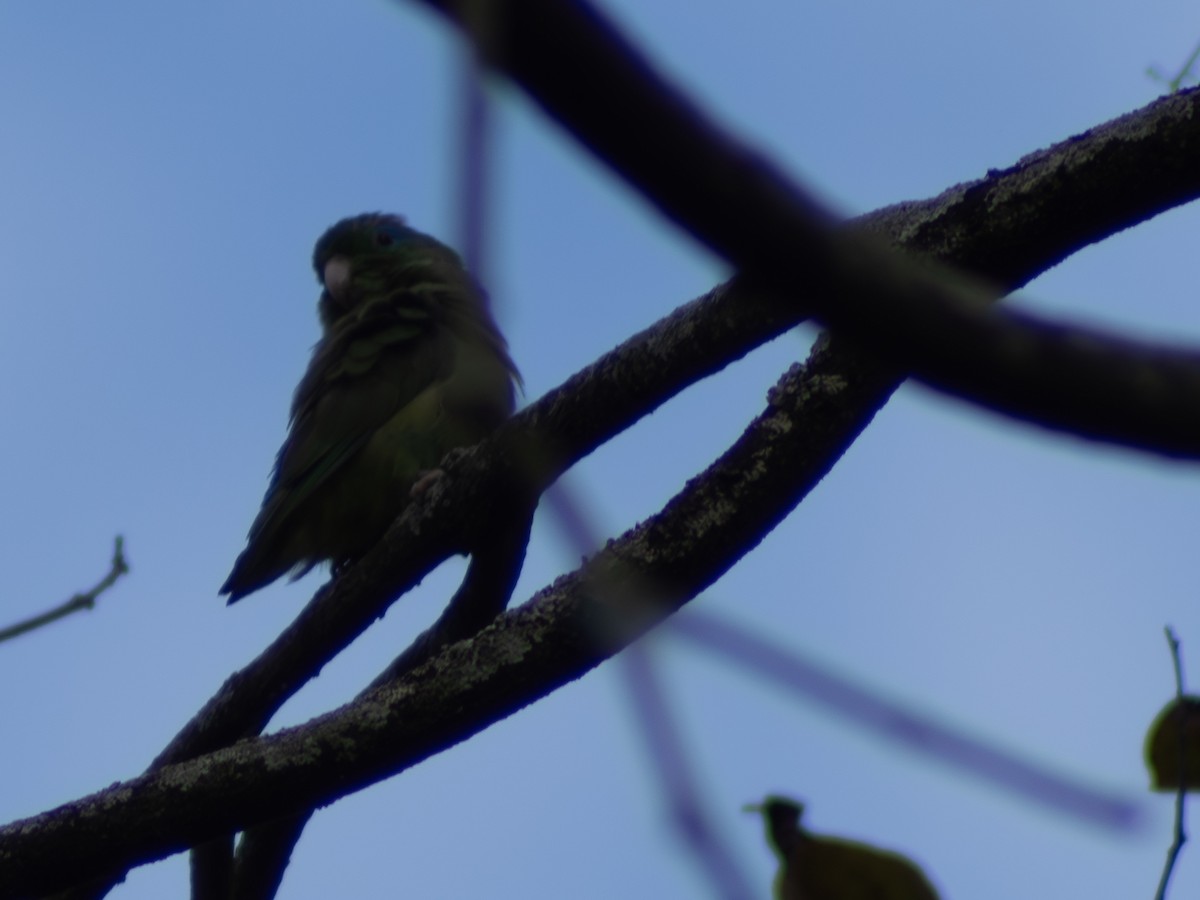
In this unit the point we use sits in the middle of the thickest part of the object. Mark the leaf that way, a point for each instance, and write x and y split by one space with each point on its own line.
1178 720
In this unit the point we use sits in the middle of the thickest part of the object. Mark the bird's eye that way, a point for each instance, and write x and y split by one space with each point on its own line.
383 239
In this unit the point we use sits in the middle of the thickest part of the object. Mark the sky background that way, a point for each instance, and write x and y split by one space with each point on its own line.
165 172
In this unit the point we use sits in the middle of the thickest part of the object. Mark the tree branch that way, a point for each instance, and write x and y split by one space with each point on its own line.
264 850
539 443
933 323
530 450
566 630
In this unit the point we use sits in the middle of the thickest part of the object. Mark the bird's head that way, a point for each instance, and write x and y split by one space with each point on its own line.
364 256
781 816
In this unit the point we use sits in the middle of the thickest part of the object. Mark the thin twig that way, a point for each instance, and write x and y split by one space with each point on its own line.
1181 795
1183 75
679 781
86 600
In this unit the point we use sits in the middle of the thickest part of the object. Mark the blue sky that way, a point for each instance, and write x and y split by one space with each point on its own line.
166 170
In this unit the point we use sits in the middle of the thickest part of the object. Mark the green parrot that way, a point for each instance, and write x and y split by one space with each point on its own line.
410 365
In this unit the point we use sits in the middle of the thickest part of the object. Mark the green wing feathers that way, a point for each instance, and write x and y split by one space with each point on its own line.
410 366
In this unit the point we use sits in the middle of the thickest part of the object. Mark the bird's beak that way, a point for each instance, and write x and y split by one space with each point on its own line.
336 277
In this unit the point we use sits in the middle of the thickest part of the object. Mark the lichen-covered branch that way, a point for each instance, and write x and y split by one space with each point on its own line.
565 631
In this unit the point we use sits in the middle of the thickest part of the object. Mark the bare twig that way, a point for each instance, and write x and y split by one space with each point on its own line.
1181 77
1180 836
673 763
86 600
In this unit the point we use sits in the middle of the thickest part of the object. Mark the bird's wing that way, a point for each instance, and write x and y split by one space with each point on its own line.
360 377
355 384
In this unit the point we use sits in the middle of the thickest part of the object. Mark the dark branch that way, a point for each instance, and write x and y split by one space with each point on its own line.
696 340
531 450
212 869
931 323
261 862
264 850
667 750
566 630
694 825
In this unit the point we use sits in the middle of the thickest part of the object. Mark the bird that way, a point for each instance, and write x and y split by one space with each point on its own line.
819 867
410 365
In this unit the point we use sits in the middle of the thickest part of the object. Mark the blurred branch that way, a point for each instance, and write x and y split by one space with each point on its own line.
694 826
932 323
86 600
1180 833
673 767
903 725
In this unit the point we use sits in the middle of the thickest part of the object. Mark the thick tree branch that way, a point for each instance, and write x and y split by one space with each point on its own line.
568 629
264 850
694 825
593 81
529 451
542 441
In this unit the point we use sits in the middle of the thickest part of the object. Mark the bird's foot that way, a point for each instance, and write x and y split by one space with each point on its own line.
424 482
